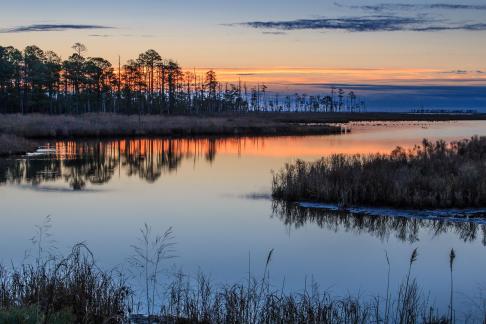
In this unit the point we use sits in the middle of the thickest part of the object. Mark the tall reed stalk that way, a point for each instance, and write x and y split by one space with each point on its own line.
452 257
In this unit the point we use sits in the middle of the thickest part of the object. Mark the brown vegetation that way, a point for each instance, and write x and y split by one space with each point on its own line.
105 124
95 125
61 290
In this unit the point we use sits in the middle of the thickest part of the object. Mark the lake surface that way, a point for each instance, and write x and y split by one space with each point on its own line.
214 193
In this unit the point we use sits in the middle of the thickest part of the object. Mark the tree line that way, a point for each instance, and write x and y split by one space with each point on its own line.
37 81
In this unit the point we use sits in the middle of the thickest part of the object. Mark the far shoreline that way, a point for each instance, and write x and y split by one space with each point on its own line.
19 133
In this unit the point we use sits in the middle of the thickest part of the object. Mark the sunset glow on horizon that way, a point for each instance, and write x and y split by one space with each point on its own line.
295 75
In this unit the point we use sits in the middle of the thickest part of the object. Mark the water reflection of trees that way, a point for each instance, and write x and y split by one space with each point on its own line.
80 163
382 227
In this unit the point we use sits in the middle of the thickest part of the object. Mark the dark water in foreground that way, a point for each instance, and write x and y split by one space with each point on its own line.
213 192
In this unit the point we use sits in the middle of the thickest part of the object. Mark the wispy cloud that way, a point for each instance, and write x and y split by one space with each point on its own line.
375 23
412 6
51 27
100 35
274 33
372 23
120 35
463 72
460 72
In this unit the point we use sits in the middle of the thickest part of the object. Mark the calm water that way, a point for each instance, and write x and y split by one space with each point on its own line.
212 192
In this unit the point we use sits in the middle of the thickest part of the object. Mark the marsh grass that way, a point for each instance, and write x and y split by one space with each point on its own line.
66 286
452 257
147 260
197 301
105 124
74 289
431 175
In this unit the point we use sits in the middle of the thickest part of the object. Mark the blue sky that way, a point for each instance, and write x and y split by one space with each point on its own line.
214 32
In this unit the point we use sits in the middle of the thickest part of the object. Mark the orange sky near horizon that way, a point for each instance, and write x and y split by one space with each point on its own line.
294 75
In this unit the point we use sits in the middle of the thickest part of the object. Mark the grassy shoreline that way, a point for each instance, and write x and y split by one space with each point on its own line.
99 125
107 124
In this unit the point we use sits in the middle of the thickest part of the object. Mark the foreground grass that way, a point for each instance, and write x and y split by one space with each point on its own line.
74 290
431 175
57 289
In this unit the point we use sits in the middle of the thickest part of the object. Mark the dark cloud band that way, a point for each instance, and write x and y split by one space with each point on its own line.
350 24
365 24
51 27
410 6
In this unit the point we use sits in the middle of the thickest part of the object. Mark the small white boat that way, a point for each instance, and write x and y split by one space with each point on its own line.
42 151
46 150
33 154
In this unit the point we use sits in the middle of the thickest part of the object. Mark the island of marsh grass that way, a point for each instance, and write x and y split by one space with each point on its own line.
431 175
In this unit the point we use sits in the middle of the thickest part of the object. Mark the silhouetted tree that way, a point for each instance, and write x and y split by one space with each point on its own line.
34 80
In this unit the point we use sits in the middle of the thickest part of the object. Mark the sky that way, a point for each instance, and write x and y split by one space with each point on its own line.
288 44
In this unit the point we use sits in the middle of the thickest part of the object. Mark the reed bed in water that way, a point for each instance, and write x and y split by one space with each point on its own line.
431 175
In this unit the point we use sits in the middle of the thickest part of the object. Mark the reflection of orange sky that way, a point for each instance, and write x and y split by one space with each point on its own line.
269 147
314 146
288 75
182 147
364 138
